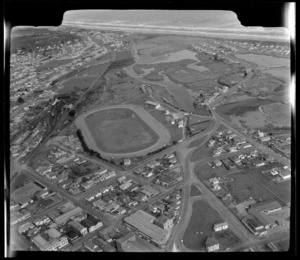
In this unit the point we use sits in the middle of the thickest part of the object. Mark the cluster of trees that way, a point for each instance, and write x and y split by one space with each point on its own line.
121 63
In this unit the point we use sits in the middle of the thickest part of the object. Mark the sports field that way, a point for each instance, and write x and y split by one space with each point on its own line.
123 130
120 130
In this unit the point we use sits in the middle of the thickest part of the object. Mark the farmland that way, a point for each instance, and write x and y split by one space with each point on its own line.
120 131
201 225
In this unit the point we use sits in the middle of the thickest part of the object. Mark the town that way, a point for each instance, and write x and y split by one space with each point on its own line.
106 159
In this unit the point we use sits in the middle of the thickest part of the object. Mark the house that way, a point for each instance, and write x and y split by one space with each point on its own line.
221 226
92 247
164 222
214 180
77 226
153 104
127 161
217 163
285 174
265 139
212 245
91 223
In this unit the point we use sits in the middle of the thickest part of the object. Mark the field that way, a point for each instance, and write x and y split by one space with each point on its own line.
76 83
200 153
95 70
280 114
201 225
120 131
195 191
18 182
243 187
282 190
197 142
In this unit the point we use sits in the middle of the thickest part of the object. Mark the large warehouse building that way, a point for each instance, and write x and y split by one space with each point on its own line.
143 222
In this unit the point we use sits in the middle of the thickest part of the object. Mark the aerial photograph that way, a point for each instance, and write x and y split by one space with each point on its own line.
149 131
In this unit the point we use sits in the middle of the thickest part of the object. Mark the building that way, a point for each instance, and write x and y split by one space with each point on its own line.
212 245
285 174
132 243
254 226
264 219
81 229
100 204
164 222
18 216
42 220
91 223
221 226
217 163
268 206
92 247
127 161
49 244
23 228
153 104
53 233
60 219
143 222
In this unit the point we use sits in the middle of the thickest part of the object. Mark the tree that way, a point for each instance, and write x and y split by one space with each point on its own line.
21 100
72 113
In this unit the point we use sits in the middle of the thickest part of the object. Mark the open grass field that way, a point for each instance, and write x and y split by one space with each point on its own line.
76 83
197 142
243 187
95 70
200 153
201 225
282 189
120 131
280 114
18 182
241 107
195 191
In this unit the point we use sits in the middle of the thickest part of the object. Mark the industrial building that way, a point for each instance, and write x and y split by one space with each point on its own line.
49 244
143 222
267 206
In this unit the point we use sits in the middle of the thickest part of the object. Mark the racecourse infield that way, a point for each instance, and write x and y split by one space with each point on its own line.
122 131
